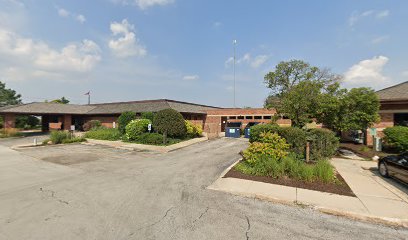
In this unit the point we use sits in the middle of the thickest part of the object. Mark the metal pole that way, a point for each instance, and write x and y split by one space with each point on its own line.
89 98
234 42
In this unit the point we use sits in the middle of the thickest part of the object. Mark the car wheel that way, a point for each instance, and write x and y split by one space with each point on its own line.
382 168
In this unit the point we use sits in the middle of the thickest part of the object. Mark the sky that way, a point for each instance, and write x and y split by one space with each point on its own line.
123 50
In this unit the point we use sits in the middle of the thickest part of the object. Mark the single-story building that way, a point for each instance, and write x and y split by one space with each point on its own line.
63 116
393 109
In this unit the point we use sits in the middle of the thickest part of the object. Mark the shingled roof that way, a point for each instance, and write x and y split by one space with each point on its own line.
396 92
106 108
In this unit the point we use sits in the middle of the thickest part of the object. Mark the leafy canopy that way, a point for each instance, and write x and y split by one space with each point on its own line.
8 96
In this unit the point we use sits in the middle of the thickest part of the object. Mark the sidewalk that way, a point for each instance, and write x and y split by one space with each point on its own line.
377 200
143 147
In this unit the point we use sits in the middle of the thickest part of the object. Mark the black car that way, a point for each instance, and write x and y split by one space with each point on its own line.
394 166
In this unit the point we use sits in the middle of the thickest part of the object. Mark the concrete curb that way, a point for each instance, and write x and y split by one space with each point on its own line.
393 222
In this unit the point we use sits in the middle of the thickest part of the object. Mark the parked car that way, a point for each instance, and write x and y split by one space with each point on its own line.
394 166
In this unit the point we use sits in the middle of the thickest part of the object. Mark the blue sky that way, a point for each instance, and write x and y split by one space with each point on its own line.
147 49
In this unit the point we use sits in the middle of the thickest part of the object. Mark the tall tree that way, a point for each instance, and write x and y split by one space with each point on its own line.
287 74
8 96
62 100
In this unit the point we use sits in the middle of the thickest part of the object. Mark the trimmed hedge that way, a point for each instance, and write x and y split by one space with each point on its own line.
136 128
150 138
171 122
124 119
396 138
111 134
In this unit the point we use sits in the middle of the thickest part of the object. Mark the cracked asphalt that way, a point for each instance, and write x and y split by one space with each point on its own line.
107 193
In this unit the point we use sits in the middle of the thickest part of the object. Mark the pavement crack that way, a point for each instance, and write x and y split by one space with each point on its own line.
158 221
248 228
201 215
51 194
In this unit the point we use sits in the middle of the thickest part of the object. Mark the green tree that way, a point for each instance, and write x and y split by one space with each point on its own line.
62 100
124 119
301 102
8 96
288 74
169 122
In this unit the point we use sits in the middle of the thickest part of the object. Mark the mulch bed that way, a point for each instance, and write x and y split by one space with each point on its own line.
356 148
340 188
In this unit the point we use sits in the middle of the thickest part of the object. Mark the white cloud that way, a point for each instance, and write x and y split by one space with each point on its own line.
255 62
367 71
63 13
382 14
126 45
356 16
380 39
191 77
24 57
144 4
80 18
217 24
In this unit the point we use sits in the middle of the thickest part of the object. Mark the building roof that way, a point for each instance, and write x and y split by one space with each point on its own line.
106 108
394 93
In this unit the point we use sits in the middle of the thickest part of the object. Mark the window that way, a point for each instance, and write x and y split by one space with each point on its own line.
267 117
248 117
232 117
240 117
401 119
258 117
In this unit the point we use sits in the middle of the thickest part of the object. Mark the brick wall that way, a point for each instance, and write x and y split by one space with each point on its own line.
9 120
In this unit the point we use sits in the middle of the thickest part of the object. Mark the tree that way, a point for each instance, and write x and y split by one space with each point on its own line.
8 96
124 119
169 122
288 74
62 100
301 102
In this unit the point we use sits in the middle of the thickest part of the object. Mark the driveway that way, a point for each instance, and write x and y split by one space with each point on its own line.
93 192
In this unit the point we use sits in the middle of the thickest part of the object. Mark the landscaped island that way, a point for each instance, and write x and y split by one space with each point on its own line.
278 155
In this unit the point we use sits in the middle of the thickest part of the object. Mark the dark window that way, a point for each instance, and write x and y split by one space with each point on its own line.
232 117
267 117
240 117
401 119
248 117
258 117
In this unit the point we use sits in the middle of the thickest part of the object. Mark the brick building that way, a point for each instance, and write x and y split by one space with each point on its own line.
393 109
63 116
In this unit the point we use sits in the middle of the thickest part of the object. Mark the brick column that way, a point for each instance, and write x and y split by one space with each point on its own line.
67 121
9 120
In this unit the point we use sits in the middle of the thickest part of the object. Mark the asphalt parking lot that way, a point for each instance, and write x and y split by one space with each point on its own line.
94 192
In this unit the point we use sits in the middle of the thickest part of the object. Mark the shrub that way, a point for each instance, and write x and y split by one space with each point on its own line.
10 132
150 138
124 119
170 122
147 115
136 128
193 130
324 171
296 138
396 138
323 143
58 137
272 146
91 124
111 134
261 128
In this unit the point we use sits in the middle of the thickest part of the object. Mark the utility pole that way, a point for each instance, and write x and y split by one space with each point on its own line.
234 43
89 97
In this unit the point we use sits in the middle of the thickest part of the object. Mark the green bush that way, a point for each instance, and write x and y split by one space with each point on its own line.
323 143
136 128
396 138
260 128
171 122
111 134
124 119
147 115
91 124
58 137
193 130
150 138
271 145
27 122
296 138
